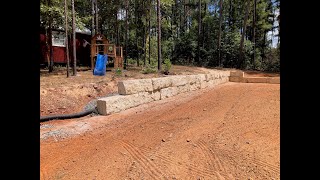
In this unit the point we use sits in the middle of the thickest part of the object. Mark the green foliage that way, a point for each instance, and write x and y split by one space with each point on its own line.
118 72
179 30
272 60
149 69
230 49
56 12
131 61
167 65
185 49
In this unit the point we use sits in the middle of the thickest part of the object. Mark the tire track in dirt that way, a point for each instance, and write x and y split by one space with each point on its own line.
234 154
218 165
187 167
190 167
227 113
144 161
236 103
267 166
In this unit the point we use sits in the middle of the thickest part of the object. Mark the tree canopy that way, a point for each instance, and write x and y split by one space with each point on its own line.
193 32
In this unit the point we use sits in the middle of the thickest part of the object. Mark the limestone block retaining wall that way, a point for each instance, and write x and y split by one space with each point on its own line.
139 91
238 76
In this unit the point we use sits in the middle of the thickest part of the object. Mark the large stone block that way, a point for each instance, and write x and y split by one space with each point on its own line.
256 79
113 104
212 83
195 86
134 86
194 82
226 73
156 95
216 75
202 80
192 79
168 92
235 79
179 80
274 80
237 73
160 83
225 79
184 88
209 77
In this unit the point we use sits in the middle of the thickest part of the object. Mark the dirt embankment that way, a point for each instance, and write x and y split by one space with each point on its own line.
61 95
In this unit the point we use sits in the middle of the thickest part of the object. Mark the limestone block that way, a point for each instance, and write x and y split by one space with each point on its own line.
134 86
168 92
237 73
179 80
256 79
160 83
274 80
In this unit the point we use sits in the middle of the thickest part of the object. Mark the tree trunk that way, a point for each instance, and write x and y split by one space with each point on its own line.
254 33
278 18
66 32
215 10
126 37
184 17
240 62
144 39
219 34
92 19
47 47
203 26
172 34
264 45
50 41
137 37
180 19
100 28
230 15
97 16
199 32
272 29
159 35
74 40
186 25
117 29
50 45
150 31
144 45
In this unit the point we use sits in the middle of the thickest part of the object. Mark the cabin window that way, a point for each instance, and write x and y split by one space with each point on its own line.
58 39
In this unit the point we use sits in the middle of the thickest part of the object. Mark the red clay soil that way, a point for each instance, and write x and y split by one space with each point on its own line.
231 131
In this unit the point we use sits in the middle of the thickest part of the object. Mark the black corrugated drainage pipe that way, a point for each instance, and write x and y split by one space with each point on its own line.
69 116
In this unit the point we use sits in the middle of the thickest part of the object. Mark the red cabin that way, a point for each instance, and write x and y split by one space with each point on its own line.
59 49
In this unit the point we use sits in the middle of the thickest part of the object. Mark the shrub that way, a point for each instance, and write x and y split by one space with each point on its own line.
167 66
149 69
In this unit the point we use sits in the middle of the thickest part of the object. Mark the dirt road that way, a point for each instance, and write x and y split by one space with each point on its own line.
229 132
